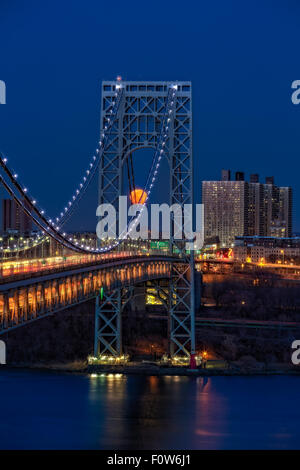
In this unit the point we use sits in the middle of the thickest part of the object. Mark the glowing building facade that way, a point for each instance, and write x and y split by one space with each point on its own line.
225 210
242 208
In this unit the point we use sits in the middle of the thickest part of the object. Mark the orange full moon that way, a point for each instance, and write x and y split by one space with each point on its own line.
138 196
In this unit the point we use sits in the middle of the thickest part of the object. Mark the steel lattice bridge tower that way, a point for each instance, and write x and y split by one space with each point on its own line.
145 120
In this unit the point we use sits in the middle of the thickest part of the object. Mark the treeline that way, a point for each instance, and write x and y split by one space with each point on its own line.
63 337
258 297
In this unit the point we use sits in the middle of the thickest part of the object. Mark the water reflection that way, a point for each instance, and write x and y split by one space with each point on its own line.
144 412
107 411
211 415
177 412
108 394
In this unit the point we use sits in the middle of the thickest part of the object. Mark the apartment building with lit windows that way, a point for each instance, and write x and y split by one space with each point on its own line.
267 250
245 208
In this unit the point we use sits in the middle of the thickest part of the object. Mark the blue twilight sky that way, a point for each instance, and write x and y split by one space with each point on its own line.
240 56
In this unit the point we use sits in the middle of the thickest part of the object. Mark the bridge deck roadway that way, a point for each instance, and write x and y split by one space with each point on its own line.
23 280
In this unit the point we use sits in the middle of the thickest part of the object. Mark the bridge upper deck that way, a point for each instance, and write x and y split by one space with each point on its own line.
21 273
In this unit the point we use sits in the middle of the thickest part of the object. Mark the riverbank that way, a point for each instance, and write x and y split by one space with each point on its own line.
147 369
153 369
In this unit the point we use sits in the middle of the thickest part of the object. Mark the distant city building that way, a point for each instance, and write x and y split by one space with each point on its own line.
267 249
242 208
269 179
226 175
239 176
225 210
276 209
14 218
255 208
254 178
285 215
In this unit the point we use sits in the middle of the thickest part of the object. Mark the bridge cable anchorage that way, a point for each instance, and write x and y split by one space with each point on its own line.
49 226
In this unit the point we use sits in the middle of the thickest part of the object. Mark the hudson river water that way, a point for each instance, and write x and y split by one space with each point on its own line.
45 410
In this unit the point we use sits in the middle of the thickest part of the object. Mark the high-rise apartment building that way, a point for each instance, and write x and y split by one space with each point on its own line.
242 208
255 202
225 210
281 224
14 218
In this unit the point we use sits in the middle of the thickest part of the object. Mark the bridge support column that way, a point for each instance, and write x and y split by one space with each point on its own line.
182 309
108 326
